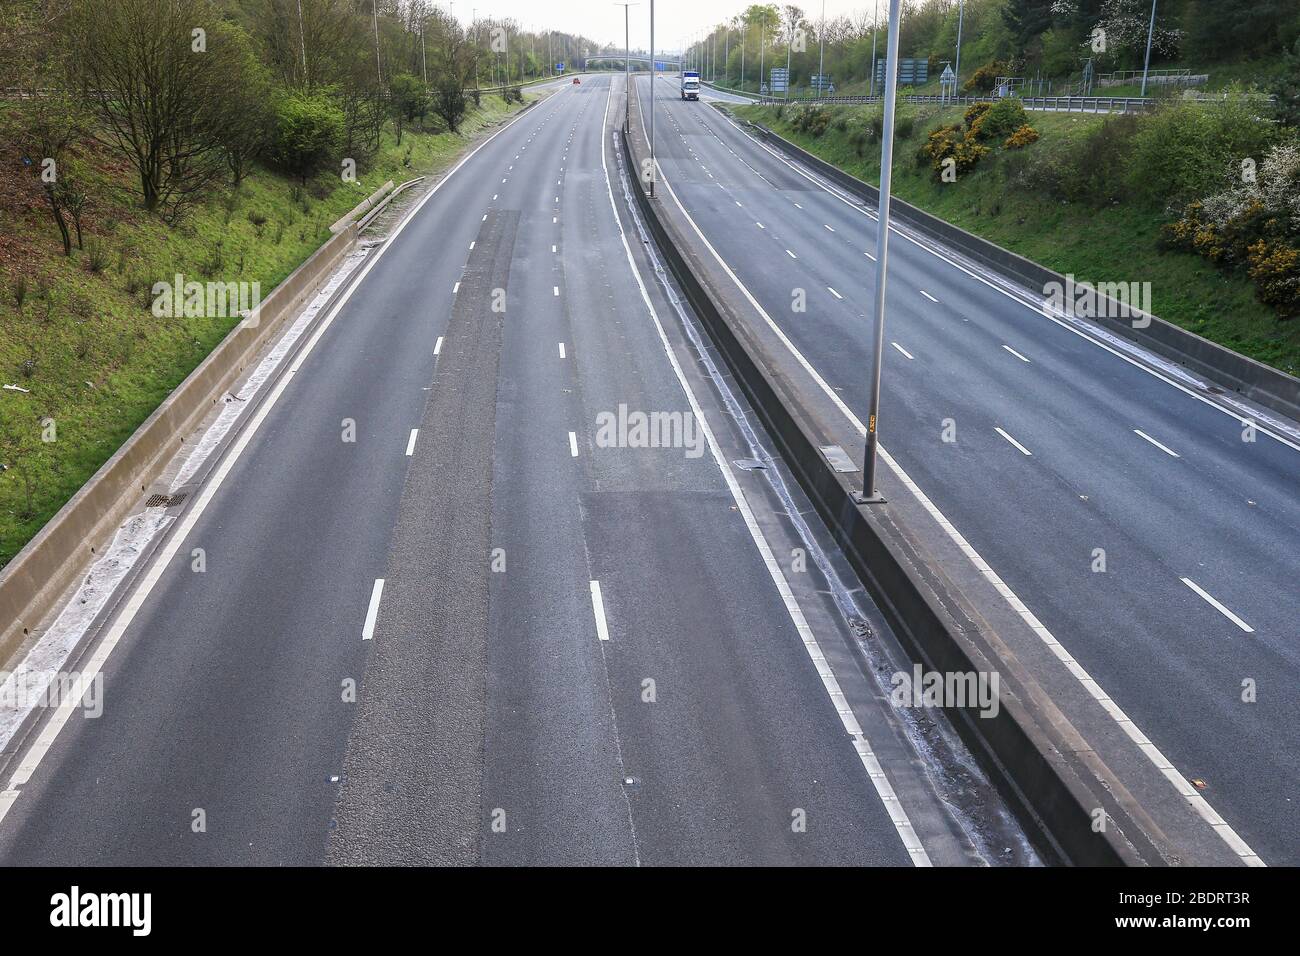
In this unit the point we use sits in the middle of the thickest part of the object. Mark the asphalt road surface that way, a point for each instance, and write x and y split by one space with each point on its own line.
1046 450
453 613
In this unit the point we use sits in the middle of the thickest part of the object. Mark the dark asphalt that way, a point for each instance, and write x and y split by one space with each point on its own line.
491 724
1226 513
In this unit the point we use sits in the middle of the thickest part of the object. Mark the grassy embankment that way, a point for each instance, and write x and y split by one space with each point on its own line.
1116 242
84 342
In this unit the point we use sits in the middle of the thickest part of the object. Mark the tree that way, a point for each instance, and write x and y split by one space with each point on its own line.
251 120
48 127
1027 20
1287 89
449 102
409 100
308 130
164 78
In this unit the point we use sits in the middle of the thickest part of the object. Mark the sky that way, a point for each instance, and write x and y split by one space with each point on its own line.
602 20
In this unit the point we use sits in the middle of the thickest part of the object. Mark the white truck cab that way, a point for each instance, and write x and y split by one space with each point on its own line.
690 85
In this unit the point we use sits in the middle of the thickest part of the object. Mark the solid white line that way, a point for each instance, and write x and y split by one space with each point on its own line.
928 296
410 442
573 444
869 256
598 609
1219 607
1164 448
471 245
368 629
437 346
1012 440
1015 353
561 350
834 293
760 225
875 772
791 254
455 288
901 349
828 227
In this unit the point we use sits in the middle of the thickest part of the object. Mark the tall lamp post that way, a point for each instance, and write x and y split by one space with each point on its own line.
961 12
869 493
821 53
627 62
653 172
875 29
1151 30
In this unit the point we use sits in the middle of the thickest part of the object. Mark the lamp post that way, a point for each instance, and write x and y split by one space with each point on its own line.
1151 29
653 173
961 11
627 62
875 18
821 53
869 493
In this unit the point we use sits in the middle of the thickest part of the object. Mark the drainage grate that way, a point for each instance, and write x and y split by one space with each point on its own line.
165 501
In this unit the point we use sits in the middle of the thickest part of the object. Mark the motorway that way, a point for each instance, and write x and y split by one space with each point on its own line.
443 619
1045 450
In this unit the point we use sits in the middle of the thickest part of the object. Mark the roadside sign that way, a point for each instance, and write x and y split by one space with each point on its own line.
780 79
559 67
821 81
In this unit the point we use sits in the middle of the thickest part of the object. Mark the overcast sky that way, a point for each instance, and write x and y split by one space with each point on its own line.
602 20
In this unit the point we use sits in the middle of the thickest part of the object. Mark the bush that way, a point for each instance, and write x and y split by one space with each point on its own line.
1276 271
308 129
999 121
812 120
1178 151
1022 137
951 142
986 77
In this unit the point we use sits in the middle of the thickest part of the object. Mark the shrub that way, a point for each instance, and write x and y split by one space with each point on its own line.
1276 271
986 77
999 121
955 143
1022 137
974 112
1178 151
812 120
308 130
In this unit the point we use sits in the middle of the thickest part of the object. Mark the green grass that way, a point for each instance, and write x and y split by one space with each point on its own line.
1113 243
85 343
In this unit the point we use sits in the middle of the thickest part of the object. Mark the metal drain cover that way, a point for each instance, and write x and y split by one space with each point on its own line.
166 501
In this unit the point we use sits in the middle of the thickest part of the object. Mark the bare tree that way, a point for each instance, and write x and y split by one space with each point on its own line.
163 77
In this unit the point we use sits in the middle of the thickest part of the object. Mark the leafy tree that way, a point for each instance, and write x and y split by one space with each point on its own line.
1026 19
1287 89
308 131
409 100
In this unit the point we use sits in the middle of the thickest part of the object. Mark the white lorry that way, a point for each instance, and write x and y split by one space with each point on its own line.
690 85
